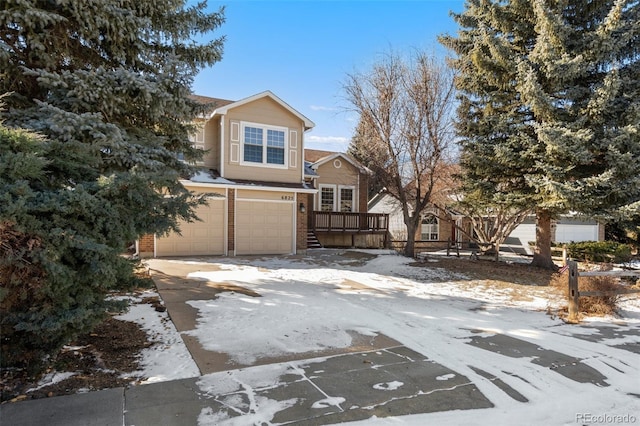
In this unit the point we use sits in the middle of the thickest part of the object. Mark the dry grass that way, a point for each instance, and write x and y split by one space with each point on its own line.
592 305
521 279
498 273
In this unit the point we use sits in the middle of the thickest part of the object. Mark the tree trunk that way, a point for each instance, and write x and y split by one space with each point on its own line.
410 247
542 251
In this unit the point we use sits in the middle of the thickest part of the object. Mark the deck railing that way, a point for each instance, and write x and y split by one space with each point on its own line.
349 222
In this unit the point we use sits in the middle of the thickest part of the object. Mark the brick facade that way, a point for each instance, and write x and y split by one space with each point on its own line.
363 193
146 244
302 221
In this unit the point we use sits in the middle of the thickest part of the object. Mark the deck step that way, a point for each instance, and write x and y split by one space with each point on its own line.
312 240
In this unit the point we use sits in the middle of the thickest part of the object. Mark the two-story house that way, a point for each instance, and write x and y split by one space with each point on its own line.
266 193
254 173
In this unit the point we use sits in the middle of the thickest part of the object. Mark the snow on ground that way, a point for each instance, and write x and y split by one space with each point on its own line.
52 378
168 358
308 305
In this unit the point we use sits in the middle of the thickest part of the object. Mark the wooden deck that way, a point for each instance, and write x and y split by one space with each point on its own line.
347 222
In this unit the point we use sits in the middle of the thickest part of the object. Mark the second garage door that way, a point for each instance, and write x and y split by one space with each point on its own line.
198 238
264 227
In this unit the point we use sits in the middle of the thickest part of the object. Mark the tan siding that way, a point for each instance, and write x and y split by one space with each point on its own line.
212 138
265 110
345 175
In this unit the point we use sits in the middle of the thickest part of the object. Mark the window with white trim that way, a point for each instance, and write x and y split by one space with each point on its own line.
264 145
346 199
197 142
197 138
327 196
429 228
338 198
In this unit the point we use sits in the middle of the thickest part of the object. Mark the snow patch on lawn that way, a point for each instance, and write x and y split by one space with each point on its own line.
51 379
168 358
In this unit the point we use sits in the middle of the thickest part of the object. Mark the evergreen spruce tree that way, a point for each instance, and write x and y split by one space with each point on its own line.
549 106
104 85
366 147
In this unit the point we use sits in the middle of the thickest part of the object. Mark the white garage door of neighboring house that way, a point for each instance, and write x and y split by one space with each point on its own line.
198 238
521 236
264 227
566 233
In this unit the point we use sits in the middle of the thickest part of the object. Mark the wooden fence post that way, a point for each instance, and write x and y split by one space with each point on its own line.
574 294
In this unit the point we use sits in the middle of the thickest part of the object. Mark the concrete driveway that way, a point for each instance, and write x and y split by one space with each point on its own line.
440 351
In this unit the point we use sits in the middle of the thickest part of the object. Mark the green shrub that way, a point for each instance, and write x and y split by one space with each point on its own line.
599 251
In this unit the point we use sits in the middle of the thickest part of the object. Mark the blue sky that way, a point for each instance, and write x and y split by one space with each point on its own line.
303 50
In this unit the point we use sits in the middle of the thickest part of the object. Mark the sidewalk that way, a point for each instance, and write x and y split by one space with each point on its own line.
391 381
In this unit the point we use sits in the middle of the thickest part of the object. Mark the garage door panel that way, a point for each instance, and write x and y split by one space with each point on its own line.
273 220
569 233
264 227
205 237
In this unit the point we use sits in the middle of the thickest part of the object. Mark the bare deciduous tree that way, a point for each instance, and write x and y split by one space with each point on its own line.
405 108
491 224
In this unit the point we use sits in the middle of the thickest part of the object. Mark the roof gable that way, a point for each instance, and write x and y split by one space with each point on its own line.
318 157
223 109
313 155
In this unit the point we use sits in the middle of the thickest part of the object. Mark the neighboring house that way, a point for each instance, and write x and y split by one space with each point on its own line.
338 211
438 231
433 230
565 229
254 171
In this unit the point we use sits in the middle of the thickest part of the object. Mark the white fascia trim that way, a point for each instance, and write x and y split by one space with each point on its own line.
295 226
248 187
308 124
225 216
235 225
222 145
266 200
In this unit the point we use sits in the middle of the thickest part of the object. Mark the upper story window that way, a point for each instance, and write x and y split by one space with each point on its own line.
197 138
264 145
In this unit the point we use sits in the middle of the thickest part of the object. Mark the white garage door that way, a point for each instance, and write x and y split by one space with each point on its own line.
264 227
566 233
198 238
521 236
